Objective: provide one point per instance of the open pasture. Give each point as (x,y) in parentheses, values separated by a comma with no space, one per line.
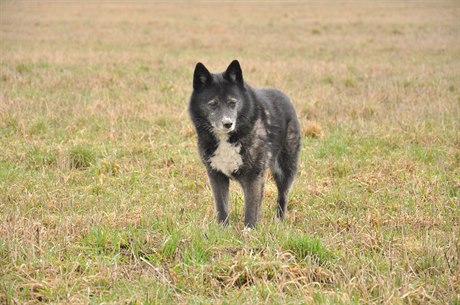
(103,198)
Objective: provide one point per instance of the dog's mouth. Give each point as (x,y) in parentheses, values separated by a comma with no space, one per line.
(222,130)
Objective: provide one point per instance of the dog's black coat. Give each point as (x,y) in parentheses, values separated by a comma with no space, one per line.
(264,132)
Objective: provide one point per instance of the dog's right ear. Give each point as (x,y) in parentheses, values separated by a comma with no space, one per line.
(201,76)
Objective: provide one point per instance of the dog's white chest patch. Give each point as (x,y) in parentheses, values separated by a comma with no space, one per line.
(226,158)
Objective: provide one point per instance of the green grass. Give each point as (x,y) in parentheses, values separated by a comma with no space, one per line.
(305,247)
(103,197)
(81,156)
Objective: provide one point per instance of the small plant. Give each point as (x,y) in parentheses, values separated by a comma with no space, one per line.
(197,251)
(315,31)
(38,158)
(170,245)
(81,156)
(305,246)
(97,239)
(40,126)
(23,68)
(328,79)
(312,130)
(349,82)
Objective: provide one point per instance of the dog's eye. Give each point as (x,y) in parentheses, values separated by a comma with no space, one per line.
(232,103)
(212,103)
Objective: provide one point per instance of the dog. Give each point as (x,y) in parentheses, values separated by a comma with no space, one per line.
(241,132)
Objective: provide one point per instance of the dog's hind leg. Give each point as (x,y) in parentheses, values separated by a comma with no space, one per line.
(284,175)
(219,185)
(284,169)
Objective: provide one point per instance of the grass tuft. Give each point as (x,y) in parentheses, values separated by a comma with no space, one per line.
(308,248)
(171,244)
(312,129)
(42,157)
(81,156)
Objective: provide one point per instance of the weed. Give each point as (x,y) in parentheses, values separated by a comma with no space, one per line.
(315,32)
(304,246)
(349,82)
(328,79)
(39,158)
(312,129)
(170,245)
(81,156)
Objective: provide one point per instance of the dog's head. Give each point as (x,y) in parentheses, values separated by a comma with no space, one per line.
(217,99)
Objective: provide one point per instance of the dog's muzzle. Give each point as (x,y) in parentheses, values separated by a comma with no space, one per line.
(228,124)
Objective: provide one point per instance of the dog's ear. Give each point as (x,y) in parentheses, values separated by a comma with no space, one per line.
(234,73)
(201,76)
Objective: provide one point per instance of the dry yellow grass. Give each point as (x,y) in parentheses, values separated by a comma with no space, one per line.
(311,129)
(102,194)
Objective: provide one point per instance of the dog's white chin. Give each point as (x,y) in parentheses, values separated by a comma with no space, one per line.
(223,131)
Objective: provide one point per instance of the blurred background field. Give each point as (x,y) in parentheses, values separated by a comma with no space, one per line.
(103,197)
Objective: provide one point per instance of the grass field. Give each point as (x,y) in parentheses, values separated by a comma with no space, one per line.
(103,198)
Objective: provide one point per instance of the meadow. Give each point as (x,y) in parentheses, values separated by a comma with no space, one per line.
(103,198)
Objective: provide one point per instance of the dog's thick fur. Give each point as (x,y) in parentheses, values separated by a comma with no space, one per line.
(241,132)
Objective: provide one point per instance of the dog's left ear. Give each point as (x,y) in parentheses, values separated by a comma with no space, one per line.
(234,73)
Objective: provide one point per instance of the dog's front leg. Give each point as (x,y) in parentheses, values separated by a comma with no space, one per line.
(219,185)
(253,191)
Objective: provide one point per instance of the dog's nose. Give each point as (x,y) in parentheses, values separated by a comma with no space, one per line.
(227,123)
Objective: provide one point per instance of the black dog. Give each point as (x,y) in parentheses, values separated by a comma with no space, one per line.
(242,131)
